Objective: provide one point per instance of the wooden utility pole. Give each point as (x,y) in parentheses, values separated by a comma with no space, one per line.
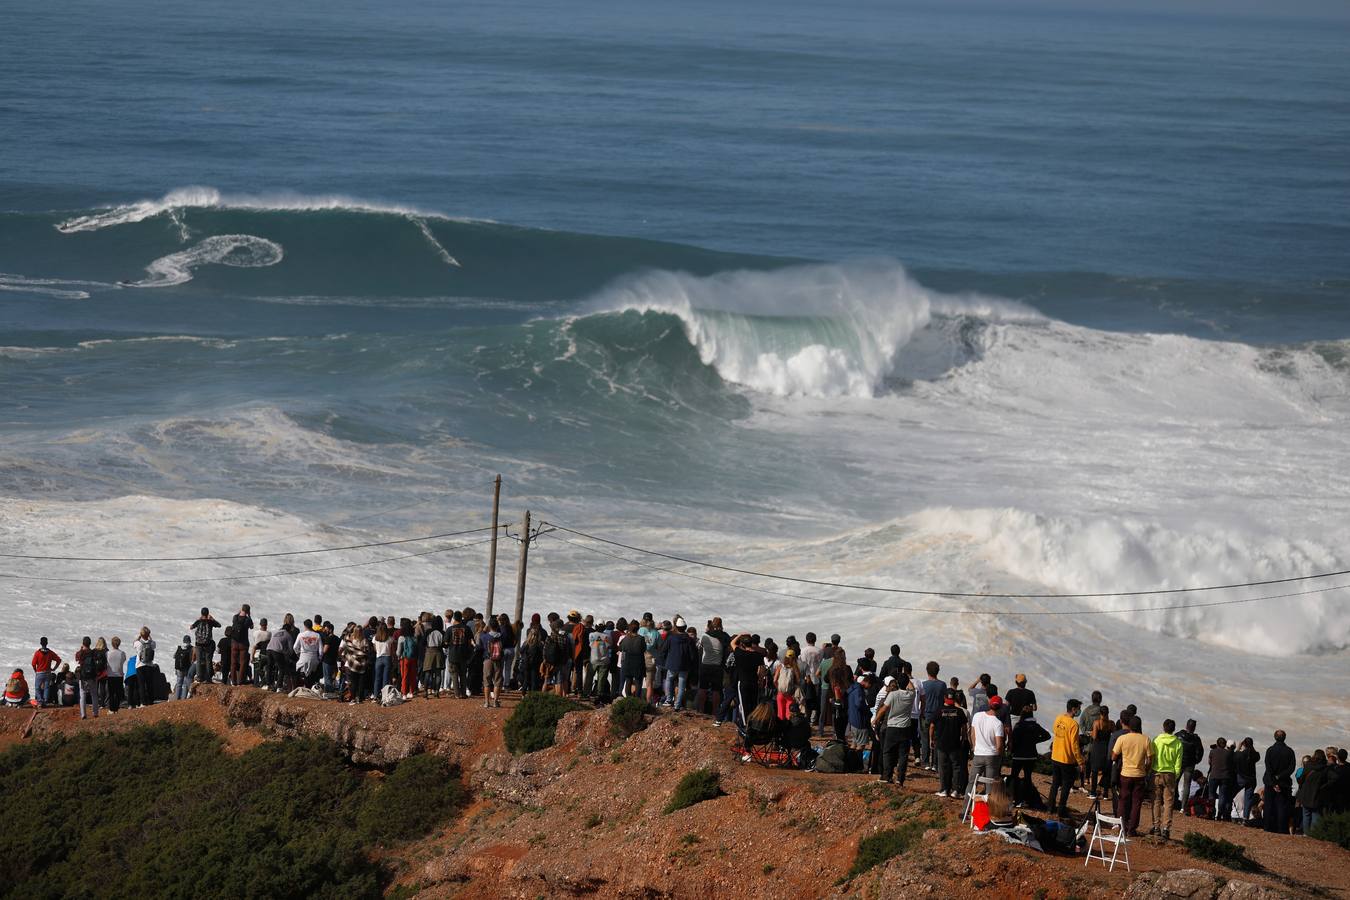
(492,559)
(520,572)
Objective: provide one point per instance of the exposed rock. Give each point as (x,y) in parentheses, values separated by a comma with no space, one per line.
(1195,884)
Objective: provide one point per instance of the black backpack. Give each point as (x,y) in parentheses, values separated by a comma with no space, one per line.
(202,631)
(147,655)
(553,649)
(832,760)
(89,665)
(182,658)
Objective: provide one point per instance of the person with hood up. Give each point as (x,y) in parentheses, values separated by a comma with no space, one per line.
(1167,750)
(16,690)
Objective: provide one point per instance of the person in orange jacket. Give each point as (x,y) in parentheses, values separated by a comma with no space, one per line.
(1065,756)
(16,689)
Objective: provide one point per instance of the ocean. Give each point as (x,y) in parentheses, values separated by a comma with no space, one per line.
(984,301)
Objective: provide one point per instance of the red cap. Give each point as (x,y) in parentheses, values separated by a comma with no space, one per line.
(995,701)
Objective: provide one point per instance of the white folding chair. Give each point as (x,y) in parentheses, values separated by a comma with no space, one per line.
(1114,834)
(973,795)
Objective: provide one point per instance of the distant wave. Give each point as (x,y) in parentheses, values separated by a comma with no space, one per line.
(813,331)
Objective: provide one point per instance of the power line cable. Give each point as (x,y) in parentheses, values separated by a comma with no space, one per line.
(356,565)
(934,593)
(411,540)
(948,612)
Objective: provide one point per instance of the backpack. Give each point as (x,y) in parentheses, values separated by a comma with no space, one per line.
(832,760)
(182,658)
(389,696)
(201,631)
(495,648)
(147,654)
(553,649)
(89,667)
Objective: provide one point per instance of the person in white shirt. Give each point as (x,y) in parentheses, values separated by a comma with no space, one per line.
(262,636)
(987,736)
(113,684)
(308,650)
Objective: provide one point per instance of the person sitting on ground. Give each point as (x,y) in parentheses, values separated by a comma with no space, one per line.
(67,686)
(16,689)
(1066,756)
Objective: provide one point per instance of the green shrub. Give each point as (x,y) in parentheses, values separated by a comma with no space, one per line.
(695,787)
(1333,827)
(1218,850)
(418,783)
(628,716)
(534,721)
(875,849)
(163,810)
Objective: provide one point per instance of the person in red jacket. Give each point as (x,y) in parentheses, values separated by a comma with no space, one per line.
(45,663)
(16,689)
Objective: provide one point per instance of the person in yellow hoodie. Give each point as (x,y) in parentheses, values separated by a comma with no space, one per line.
(1166,769)
(1066,757)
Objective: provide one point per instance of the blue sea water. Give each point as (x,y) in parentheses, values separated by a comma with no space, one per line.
(946,295)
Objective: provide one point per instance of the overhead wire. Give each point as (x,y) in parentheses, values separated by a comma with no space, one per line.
(246,577)
(275,553)
(942,593)
(940,611)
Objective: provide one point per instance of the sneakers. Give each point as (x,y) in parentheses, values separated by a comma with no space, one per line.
(717,723)
(941,794)
(1092,796)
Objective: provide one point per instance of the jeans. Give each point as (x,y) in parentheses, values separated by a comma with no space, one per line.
(1186,774)
(329,676)
(381,674)
(1061,784)
(88,694)
(824,692)
(951,770)
(1131,803)
(182,683)
(677,680)
(42,683)
(1248,795)
(1310,818)
(926,742)
(1164,792)
(986,767)
(113,686)
(895,753)
(203,662)
(1223,800)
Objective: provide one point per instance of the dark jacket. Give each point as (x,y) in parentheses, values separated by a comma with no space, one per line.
(1244,765)
(677,652)
(1280,765)
(951,730)
(1220,763)
(1026,734)
(1192,748)
(1311,787)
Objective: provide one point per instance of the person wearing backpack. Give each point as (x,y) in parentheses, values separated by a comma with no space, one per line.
(490,642)
(182,668)
(1192,754)
(91,663)
(202,636)
(147,673)
(407,659)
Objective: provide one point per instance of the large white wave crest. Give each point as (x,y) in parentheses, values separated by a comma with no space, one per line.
(814,331)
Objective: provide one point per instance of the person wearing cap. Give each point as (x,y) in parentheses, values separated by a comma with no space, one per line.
(858,735)
(987,736)
(896,714)
(1066,756)
(951,746)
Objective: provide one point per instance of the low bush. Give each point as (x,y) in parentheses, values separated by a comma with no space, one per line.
(628,716)
(164,811)
(418,783)
(1333,827)
(534,721)
(695,787)
(875,849)
(1218,850)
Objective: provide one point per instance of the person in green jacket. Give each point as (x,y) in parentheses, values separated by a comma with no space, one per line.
(1166,769)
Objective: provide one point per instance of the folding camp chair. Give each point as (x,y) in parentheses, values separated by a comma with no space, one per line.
(1114,834)
(974,795)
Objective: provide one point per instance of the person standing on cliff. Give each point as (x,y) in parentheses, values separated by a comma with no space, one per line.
(308,649)
(45,663)
(1278,782)
(1167,749)
(203,639)
(242,626)
(1134,752)
(1192,754)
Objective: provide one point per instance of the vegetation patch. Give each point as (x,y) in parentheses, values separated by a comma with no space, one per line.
(628,716)
(875,849)
(163,810)
(1218,850)
(695,787)
(1333,827)
(534,722)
